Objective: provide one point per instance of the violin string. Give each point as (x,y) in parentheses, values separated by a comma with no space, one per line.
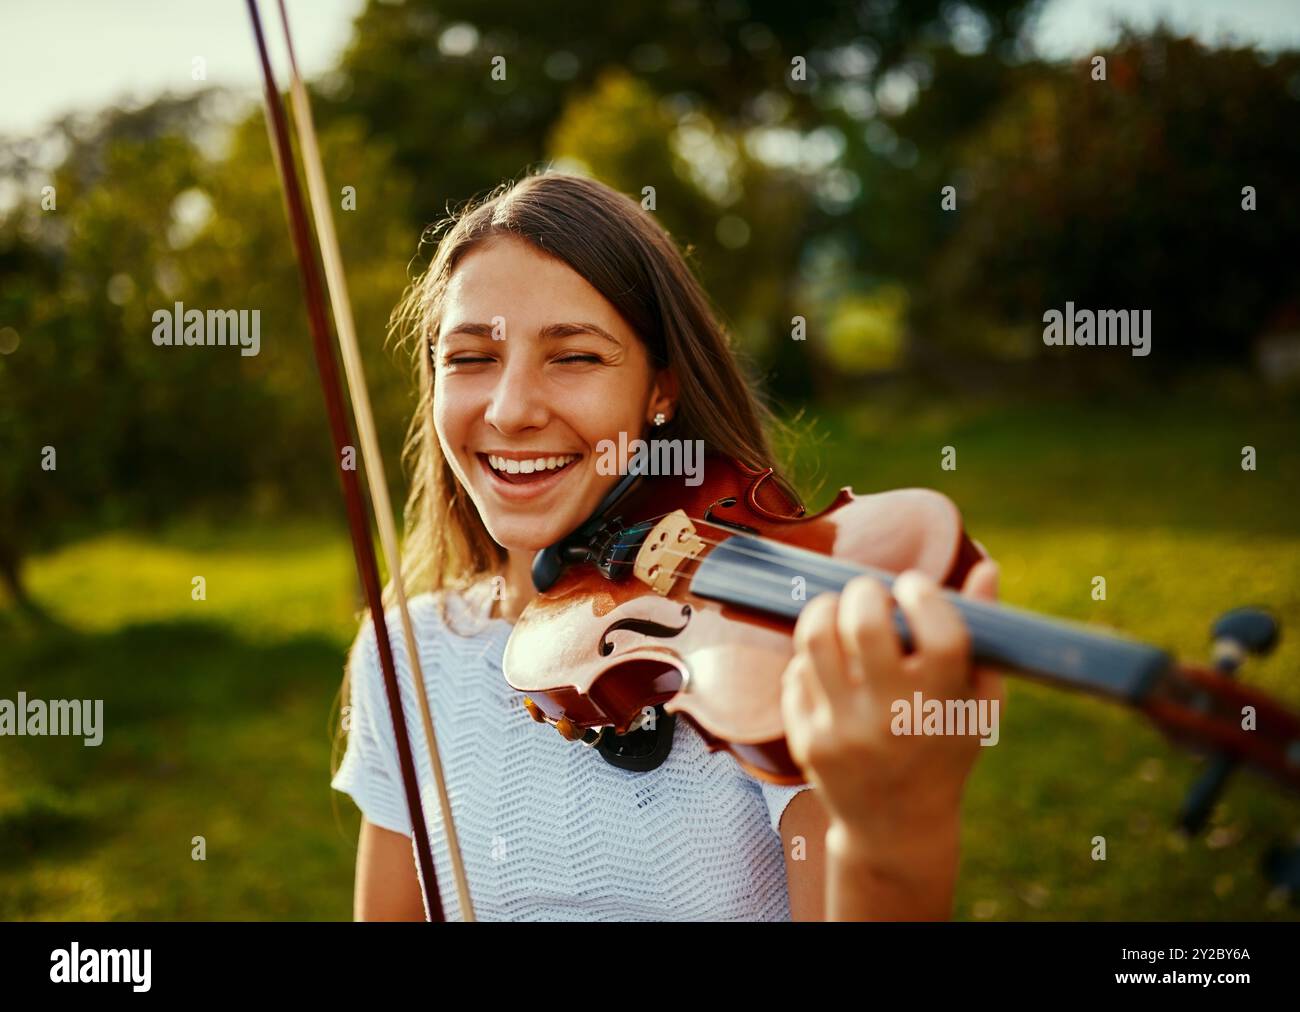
(994,624)
(829,570)
(827,574)
(997,620)
(985,609)
(816,567)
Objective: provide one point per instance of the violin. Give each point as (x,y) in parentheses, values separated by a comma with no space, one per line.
(682,599)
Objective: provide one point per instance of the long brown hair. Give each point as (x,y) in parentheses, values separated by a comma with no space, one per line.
(627,256)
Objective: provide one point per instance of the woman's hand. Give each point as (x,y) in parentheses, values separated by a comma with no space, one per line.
(844,686)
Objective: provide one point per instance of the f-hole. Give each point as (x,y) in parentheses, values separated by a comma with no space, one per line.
(646,627)
(727,503)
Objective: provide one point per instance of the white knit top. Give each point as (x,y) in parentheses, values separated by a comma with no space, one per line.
(549,831)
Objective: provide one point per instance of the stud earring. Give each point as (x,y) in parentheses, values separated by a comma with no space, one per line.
(660,418)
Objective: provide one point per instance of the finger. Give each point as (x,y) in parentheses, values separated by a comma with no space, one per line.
(939,636)
(797,703)
(867,636)
(817,637)
(989,684)
(982,580)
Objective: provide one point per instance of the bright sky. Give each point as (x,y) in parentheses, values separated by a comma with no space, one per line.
(61,55)
(64,55)
(1075,27)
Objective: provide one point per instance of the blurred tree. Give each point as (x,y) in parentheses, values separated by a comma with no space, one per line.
(78,273)
(144,219)
(1124,194)
(714,89)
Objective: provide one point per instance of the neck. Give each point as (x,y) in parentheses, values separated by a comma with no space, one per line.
(519,589)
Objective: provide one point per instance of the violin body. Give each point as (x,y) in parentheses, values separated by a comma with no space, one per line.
(598,652)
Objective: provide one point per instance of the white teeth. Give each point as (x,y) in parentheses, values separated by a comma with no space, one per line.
(511,466)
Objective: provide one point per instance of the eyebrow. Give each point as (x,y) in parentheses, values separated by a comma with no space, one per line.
(551,332)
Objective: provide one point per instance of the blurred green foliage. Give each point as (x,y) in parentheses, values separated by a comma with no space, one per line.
(1127,193)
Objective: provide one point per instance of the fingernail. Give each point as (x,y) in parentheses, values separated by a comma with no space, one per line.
(908,586)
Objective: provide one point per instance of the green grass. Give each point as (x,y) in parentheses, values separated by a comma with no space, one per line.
(219,710)
(218,714)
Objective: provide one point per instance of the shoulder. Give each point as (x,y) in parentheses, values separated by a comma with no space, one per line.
(777,797)
(433,615)
(436,618)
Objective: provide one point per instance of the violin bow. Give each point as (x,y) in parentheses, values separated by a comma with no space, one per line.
(358,523)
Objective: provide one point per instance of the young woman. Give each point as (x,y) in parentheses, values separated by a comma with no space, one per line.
(557,314)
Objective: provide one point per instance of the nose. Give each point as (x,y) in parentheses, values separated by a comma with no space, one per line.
(518,399)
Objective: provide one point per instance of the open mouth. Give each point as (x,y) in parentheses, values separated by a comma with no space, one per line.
(529,471)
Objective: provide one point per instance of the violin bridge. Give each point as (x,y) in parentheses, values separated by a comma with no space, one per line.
(669,544)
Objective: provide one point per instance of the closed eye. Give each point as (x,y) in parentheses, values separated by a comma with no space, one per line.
(477,359)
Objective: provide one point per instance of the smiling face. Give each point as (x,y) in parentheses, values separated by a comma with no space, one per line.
(533,368)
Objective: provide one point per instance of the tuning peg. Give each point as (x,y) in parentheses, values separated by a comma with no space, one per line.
(568,729)
(1251,630)
(1235,634)
(573,732)
(534,711)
